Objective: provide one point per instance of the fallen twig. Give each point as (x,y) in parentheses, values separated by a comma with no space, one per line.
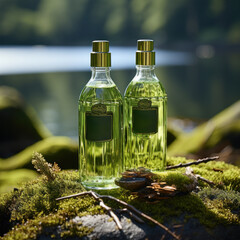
(133,209)
(131,214)
(126,205)
(203,160)
(205,180)
(101,203)
(190,173)
(217,170)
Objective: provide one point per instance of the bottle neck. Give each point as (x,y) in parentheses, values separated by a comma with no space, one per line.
(147,71)
(100,73)
(100,77)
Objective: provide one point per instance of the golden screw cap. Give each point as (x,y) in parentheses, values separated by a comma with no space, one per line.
(145,54)
(100,55)
(100,46)
(145,45)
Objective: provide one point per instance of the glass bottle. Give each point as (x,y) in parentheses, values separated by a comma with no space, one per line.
(100,124)
(145,109)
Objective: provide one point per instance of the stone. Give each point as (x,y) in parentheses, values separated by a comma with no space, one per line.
(212,137)
(19,125)
(62,150)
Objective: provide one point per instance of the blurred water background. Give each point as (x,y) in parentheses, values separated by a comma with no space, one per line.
(45,48)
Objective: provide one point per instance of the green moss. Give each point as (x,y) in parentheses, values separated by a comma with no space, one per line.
(230,199)
(229,179)
(176,160)
(73,229)
(225,215)
(61,150)
(14,178)
(38,197)
(35,202)
(188,206)
(209,213)
(45,226)
(175,178)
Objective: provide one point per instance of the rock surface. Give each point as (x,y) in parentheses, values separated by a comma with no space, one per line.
(11,179)
(19,124)
(56,149)
(217,135)
(104,228)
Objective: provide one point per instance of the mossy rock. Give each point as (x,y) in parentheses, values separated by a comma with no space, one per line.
(211,213)
(62,150)
(19,124)
(214,135)
(172,135)
(13,179)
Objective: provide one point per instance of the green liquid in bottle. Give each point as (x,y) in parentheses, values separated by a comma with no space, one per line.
(145,106)
(100,153)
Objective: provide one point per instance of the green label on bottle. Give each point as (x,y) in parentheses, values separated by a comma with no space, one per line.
(145,118)
(99,124)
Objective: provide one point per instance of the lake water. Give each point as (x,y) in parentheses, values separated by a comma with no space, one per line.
(198,84)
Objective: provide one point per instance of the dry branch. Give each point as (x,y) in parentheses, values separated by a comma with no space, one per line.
(131,214)
(126,205)
(203,160)
(189,172)
(136,211)
(101,203)
(205,180)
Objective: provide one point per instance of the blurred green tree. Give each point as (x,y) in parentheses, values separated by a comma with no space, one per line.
(68,22)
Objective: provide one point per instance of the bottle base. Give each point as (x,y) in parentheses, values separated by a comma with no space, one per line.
(99,184)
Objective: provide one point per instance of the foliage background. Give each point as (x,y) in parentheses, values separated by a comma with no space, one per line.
(207,29)
(74,22)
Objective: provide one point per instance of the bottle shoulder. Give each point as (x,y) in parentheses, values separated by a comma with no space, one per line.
(101,83)
(142,87)
(96,93)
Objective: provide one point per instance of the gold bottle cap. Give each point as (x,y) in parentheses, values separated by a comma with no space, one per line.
(145,54)
(100,55)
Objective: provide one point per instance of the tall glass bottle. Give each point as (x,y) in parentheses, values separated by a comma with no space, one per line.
(145,109)
(100,124)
